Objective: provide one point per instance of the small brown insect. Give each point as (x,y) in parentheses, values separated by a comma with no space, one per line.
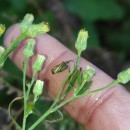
(61,67)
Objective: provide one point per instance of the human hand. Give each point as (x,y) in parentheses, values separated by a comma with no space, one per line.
(105,110)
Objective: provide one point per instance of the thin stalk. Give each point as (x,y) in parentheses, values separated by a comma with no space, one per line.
(64,81)
(114,82)
(24,93)
(51,110)
(11,47)
(30,85)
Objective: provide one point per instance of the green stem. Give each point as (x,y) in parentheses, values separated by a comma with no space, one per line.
(24,93)
(29,87)
(51,110)
(11,47)
(114,82)
(64,81)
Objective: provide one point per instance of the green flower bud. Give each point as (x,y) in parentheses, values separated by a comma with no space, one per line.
(124,76)
(26,22)
(88,74)
(2,49)
(2,29)
(37,65)
(81,43)
(37,29)
(38,87)
(28,50)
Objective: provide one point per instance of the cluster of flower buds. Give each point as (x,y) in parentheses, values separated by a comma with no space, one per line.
(32,30)
(2,29)
(124,76)
(81,42)
(37,65)
(28,50)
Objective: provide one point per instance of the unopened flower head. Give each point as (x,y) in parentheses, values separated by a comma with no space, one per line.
(29,48)
(2,29)
(37,65)
(26,22)
(124,76)
(37,29)
(81,43)
(38,88)
(88,74)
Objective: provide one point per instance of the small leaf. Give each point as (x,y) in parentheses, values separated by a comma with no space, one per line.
(56,120)
(85,87)
(71,81)
(9,109)
(30,106)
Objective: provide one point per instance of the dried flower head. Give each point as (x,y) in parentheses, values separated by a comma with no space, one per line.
(124,76)
(28,50)
(26,22)
(38,88)
(81,43)
(88,74)
(37,65)
(37,29)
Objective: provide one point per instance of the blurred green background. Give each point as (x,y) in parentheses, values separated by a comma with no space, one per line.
(108,24)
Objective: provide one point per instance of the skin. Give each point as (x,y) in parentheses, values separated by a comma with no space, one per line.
(105,110)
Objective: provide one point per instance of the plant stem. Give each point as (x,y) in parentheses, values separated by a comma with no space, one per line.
(64,81)
(24,93)
(51,110)
(11,47)
(114,82)
(30,85)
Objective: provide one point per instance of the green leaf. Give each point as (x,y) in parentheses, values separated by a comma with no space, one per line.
(30,106)
(71,81)
(58,119)
(85,88)
(9,109)
(119,39)
(91,10)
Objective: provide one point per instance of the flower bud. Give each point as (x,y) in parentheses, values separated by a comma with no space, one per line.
(37,65)
(38,87)
(88,74)
(29,48)
(26,22)
(2,29)
(81,43)
(124,76)
(37,29)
